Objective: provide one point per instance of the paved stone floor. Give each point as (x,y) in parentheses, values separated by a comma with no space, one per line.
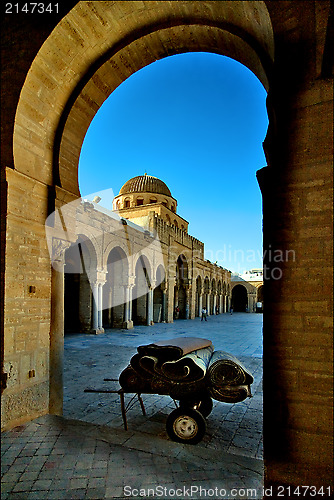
(88,454)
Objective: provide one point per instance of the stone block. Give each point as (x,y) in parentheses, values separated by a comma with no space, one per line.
(18,407)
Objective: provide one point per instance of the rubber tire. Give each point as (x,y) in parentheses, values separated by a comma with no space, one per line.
(186,425)
(204,406)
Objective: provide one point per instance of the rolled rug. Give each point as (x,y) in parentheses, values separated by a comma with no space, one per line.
(185,390)
(189,368)
(150,365)
(225,369)
(145,370)
(230,393)
(169,350)
(130,381)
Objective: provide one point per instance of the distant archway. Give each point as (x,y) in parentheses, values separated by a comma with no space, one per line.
(113,290)
(239,298)
(259,299)
(181,306)
(80,260)
(141,290)
(198,296)
(159,297)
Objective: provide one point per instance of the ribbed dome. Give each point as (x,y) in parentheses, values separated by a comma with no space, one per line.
(145,184)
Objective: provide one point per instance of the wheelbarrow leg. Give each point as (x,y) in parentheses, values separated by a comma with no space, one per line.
(123,409)
(141,404)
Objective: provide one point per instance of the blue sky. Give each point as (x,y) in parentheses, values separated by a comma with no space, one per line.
(197,121)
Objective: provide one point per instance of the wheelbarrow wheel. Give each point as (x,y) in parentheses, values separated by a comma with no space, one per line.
(204,406)
(186,425)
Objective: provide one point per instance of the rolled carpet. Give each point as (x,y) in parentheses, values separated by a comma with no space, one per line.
(230,393)
(225,369)
(130,381)
(189,368)
(145,369)
(169,350)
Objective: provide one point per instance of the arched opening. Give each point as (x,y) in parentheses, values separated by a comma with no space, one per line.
(225,305)
(239,298)
(181,305)
(80,263)
(228,297)
(206,294)
(213,299)
(198,303)
(114,289)
(259,299)
(219,298)
(140,303)
(71,292)
(159,297)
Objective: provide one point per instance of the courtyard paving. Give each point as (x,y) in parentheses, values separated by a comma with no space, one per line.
(86,453)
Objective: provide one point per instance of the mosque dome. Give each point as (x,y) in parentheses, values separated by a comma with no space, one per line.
(145,184)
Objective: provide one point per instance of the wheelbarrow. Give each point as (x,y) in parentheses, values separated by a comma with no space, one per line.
(193,378)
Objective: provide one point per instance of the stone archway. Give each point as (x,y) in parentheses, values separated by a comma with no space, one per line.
(198,298)
(160,296)
(181,292)
(114,289)
(80,262)
(259,299)
(141,313)
(239,301)
(79,85)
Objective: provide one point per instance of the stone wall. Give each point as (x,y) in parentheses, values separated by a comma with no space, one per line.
(27,304)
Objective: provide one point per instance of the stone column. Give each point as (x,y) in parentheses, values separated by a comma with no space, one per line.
(164,302)
(214,303)
(150,307)
(150,303)
(208,304)
(200,304)
(126,300)
(109,306)
(128,323)
(85,304)
(170,291)
(188,289)
(57,327)
(95,319)
(100,307)
(130,303)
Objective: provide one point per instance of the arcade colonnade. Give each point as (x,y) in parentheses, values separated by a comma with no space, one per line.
(126,275)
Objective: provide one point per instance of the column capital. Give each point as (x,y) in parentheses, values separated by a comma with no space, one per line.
(59,247)
(98,282)
(131,279)
(152,284)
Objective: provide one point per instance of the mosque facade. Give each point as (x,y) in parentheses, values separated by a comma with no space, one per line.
(139,264)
